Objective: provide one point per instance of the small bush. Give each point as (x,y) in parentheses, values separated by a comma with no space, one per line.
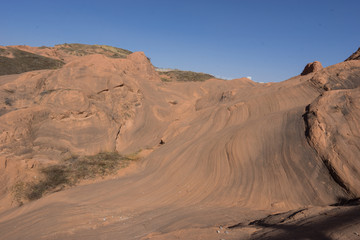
(184,76)
(18,192)
(8,102)
(70,172)
(98,165)
(56,177)
(165,79)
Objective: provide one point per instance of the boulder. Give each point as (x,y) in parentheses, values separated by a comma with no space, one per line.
(312,67)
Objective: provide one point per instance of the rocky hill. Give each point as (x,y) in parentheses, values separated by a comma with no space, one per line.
(103,146)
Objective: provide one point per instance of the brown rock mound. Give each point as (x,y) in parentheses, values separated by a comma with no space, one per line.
(333,121)
(345,75)
(312,67)
(22,58)
(234,151)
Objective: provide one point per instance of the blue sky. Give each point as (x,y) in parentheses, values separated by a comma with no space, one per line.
(270,40)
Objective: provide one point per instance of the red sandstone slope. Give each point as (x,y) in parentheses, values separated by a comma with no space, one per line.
(233,151)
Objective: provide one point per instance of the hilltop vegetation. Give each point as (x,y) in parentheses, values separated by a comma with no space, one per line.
(70,172)
(14,61)
(85,49)
(183,76)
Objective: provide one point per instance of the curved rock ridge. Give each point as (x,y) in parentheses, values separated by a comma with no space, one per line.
(345,75)
(354,56)
(219,152)
(68,51)
(333,121)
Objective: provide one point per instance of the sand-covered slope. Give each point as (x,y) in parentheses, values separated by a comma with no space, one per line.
(217,152)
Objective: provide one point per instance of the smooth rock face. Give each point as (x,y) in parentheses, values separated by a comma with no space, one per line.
(79,108)
(312,67)
(334,131)
(219,153)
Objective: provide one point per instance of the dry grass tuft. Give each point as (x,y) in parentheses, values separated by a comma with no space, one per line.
(184,76)
(70,172)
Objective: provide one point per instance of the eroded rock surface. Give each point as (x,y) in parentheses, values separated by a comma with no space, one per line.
(218,152)
(312,67)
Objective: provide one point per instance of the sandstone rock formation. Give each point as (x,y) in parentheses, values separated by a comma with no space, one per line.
(218,153)
(312,67)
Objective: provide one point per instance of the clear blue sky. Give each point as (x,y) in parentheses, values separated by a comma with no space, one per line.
(270,40)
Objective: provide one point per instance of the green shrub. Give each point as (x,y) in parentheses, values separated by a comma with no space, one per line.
(69,172)
(78,49)
(56,177)
(165,79)
(184,76)
(25,61)
(18,192)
